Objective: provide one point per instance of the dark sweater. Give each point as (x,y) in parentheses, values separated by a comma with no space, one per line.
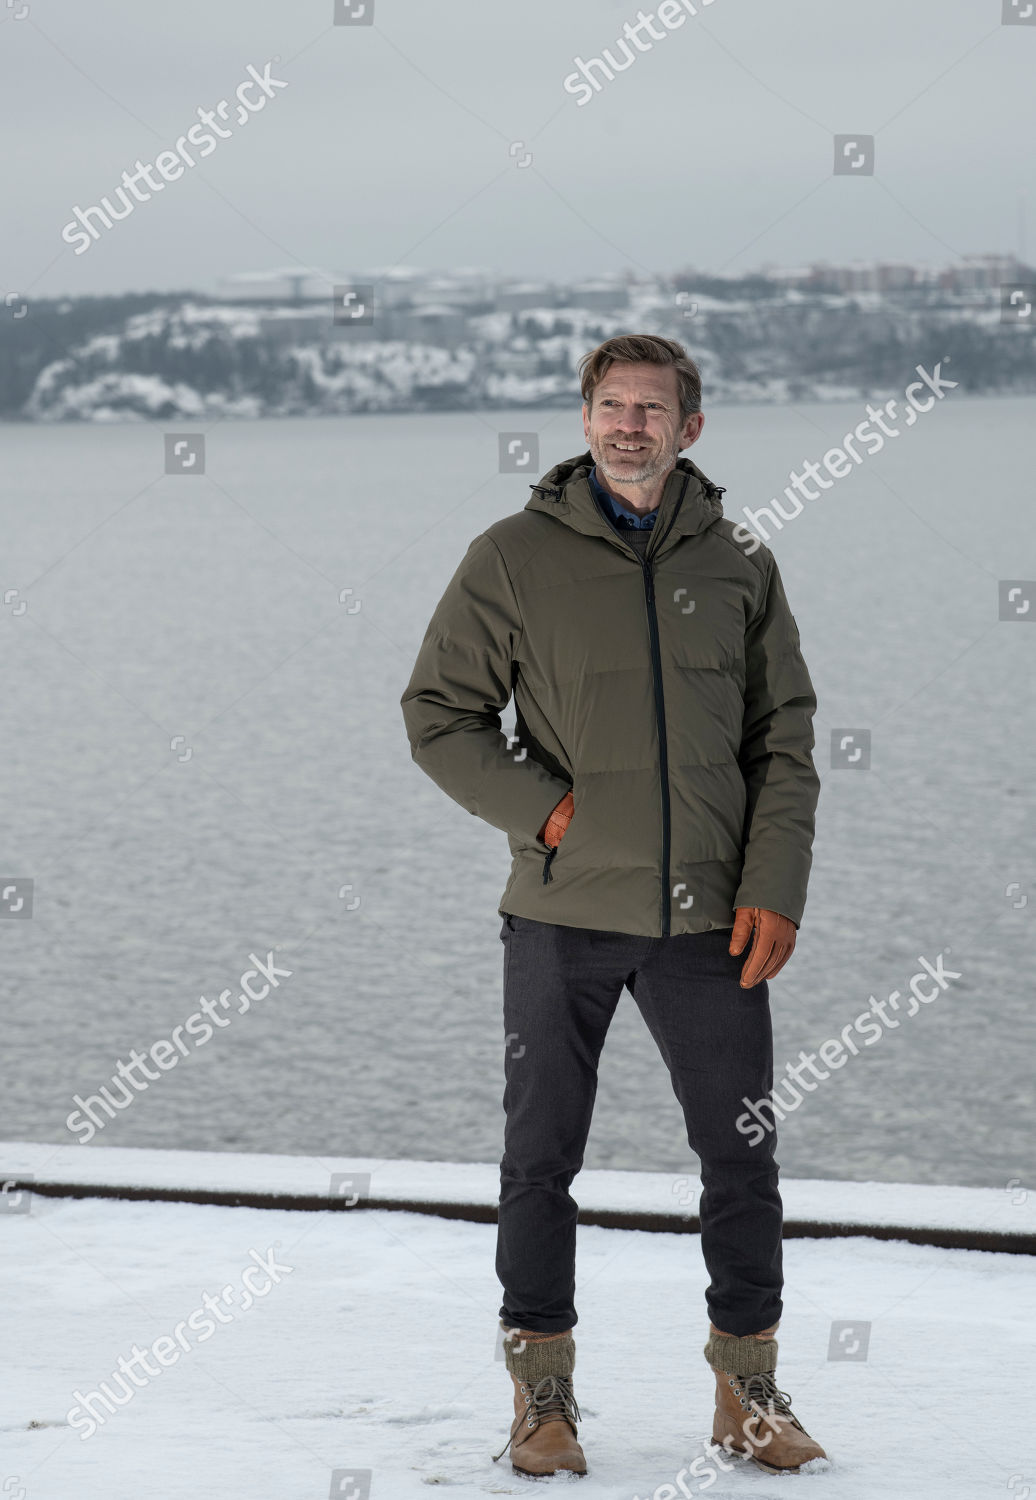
(635,529)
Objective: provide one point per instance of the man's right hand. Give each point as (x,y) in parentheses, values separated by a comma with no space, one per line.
(553,829)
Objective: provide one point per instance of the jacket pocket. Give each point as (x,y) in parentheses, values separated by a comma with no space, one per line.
(548,851)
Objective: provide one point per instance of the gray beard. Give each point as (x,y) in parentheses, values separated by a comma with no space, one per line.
(652,469)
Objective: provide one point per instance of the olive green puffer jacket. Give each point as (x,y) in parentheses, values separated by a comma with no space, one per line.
(669,695)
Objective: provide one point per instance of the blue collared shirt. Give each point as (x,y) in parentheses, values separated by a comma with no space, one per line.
(618,512)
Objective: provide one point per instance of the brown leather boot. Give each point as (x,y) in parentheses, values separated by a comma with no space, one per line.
(543,1433)
(753,1417)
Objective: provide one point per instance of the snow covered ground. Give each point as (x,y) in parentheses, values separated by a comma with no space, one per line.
(303,1355)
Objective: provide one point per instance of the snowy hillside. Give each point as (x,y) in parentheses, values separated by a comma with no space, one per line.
(199,359)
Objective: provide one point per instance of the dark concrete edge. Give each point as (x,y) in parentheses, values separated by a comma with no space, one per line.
(483,1213)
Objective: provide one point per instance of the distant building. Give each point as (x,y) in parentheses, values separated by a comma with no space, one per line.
(971,273)
(793,276)
(523,362)
(519,296)
(307,325)
(425,323)
(982,272)
(394,286)
(293,285)
(894,277)
(597,296)
(461,286)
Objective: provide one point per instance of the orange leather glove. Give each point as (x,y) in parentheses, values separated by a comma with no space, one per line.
(773,946)
(553,829)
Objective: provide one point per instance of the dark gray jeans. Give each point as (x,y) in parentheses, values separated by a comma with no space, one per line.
(561,987)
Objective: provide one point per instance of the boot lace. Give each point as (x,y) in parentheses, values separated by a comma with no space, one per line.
(761,1394)
(551,1399)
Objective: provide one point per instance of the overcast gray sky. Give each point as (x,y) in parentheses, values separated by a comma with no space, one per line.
(393,143)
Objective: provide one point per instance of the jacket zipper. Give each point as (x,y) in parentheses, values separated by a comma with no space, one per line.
(663,749)
(663,745)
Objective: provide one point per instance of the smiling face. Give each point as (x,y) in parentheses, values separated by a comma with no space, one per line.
(633,428)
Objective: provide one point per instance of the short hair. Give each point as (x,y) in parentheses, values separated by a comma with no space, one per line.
(643,348)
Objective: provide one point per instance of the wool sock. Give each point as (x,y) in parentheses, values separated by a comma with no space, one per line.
(530,1355)
(750,1355)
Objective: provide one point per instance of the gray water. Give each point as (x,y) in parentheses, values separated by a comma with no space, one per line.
(208,607)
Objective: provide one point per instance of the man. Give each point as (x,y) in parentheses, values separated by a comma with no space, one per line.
(659,804)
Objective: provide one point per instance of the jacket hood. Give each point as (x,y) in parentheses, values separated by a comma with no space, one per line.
(690,501)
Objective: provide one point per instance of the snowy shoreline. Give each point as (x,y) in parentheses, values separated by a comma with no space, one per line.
(948,1216)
